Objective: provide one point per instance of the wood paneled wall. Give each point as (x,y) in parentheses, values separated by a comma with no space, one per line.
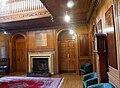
(3,46)
(99,14)
(81,30)
(112,55)
(84,45)
(46,40)
(43,44)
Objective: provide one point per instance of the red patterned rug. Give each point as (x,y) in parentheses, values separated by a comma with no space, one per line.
(30,82)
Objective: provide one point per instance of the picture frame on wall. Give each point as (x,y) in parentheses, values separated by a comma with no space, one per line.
(111,39)
(99,26)
(109,18)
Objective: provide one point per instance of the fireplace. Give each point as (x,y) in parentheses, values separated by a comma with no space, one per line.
(40,63)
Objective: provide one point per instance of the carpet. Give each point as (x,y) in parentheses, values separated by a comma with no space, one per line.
(30,82)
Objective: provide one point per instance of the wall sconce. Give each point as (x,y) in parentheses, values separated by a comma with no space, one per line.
(4,32)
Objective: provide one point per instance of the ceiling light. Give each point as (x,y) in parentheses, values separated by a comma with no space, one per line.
(70,4)
(71,32)
(67,17)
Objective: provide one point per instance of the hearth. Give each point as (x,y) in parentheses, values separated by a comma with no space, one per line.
(40,67)
(40,64)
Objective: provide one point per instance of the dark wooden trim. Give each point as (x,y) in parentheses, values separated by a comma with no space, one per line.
(48,8)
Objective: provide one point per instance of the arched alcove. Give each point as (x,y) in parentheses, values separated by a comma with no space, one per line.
(67,53)
(19,60)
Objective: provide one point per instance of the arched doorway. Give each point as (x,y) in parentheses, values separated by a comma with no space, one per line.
(19,53)
(66,51)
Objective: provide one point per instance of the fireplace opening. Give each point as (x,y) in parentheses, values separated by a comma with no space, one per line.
(40,65)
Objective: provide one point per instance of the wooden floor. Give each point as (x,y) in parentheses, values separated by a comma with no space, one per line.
(71,80)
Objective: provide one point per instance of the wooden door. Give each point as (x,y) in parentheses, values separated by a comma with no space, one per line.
(67,56)
(20,54)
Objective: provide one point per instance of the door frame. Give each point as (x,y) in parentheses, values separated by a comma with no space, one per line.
(11,40)
(76,49)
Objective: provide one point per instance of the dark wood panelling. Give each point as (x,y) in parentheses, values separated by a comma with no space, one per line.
(20,55)
(67,55)
(3,46)
(84,45)
(62,56)
(52,45)
(28,24)
(112,55)
(81,10)
(50,40)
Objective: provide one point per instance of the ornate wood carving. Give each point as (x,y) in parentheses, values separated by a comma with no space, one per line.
(22,10)
(25,16)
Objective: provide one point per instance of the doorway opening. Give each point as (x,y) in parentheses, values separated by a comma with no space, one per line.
(66,51)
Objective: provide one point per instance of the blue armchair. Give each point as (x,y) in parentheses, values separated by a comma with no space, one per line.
(90,79)
(101,85)
(86,68)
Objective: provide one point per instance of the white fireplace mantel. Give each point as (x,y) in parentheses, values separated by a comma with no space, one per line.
(39,55)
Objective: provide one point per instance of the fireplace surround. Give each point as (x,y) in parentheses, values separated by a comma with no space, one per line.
(40,61)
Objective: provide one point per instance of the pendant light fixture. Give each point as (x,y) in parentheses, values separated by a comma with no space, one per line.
(67,17)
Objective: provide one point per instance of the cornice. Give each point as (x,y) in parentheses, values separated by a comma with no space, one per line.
(25,15)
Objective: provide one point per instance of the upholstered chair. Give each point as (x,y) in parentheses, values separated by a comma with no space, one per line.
(90,79)
(86,68)
(101,85)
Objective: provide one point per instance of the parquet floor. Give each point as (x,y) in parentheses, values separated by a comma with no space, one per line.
(71,80)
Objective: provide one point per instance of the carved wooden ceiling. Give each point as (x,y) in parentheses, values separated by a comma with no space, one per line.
(80,13)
